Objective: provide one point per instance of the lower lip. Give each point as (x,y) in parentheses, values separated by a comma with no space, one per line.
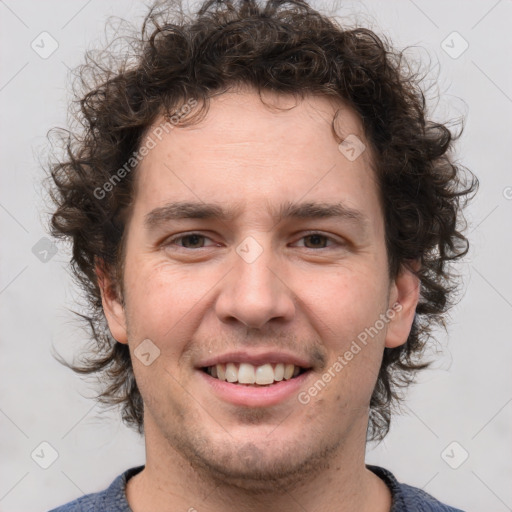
(255,396)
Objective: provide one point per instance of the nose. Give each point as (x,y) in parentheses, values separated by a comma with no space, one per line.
(255,293)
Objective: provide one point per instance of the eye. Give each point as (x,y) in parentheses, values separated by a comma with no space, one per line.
(193,241)
(189,241)
(317,241)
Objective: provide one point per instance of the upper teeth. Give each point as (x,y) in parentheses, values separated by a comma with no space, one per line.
(245,373)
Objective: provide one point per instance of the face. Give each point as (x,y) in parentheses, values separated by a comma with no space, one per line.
(256,251)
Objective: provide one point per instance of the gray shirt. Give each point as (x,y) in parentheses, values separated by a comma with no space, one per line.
(113,499)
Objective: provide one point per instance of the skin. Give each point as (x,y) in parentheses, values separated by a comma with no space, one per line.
(194,298)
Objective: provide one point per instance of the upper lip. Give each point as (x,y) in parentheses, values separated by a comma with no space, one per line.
(255,358)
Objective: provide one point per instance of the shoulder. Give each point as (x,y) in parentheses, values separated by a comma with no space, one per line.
(406,497)
(112,499)
(423,501)
(87,503)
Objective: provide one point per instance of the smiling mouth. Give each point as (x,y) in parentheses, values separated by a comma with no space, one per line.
(250,375)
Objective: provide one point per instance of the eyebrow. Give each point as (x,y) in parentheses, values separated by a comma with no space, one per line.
(200,210)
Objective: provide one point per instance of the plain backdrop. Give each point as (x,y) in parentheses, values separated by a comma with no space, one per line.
(453,438)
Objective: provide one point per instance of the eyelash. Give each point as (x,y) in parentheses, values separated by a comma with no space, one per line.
(172,240)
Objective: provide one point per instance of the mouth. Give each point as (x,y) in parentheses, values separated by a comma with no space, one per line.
(263,382)
(246,374)
(260,378)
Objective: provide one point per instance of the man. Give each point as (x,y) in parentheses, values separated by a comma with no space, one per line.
(263,219)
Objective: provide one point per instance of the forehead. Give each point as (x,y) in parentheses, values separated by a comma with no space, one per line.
(259,157)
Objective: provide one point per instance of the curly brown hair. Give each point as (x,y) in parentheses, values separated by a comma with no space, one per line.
(287,47)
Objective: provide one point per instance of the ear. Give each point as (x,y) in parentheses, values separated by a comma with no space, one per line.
(403,299)
(112,305)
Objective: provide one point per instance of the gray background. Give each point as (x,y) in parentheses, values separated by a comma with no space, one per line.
(466,398)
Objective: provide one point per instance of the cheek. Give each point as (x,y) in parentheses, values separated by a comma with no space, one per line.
(345,309)
(344,304)
(162,302)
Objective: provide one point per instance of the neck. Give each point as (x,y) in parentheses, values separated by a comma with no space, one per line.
(169,482)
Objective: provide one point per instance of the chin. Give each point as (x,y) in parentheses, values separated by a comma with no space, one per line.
(258,468)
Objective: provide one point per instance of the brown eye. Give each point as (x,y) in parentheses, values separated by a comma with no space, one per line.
(193,241)
(315,241)
(188,241)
